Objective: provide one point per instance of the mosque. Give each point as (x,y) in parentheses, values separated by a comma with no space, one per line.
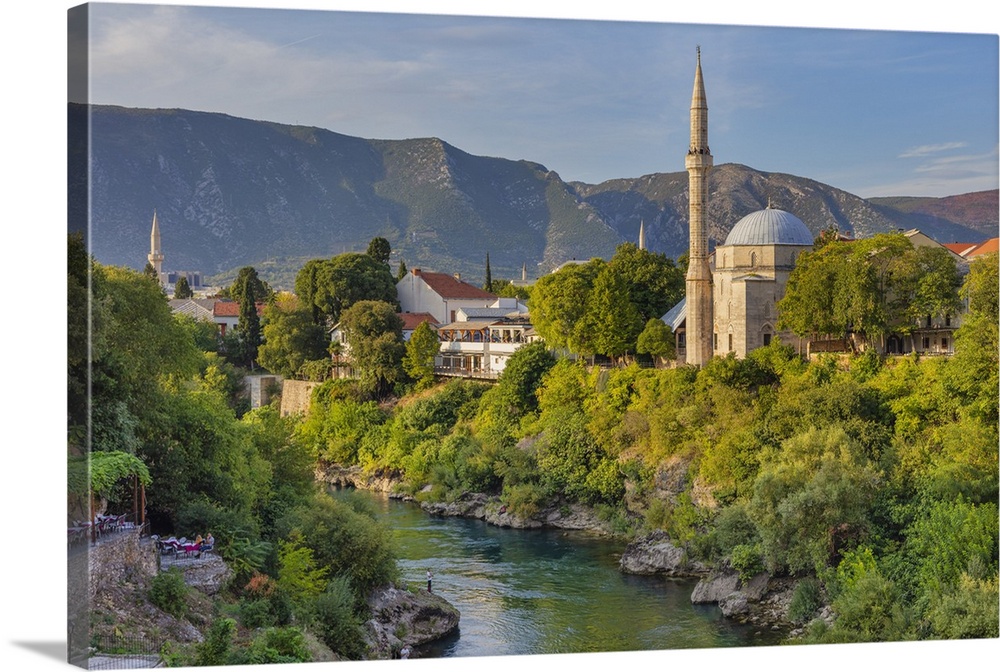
(732,294)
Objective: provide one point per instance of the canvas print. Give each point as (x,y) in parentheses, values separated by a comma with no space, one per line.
(402,336)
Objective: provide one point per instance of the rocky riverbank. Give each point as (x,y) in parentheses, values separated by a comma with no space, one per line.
(556,514)
(404,618)
(763,600)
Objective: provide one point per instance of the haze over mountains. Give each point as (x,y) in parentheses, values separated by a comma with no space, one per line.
(230,192)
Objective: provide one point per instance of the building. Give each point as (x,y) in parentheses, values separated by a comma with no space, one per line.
(480,341)
(155,256)
(749,278)
(730,303)
(440,294)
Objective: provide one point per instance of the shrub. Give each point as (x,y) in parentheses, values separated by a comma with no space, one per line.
(168,591)
(523,500)
(806,599)
(215,649)
(747,560)
(256,613)
(336,623)
(274,645)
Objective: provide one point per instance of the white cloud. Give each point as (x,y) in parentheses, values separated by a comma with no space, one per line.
(925,150)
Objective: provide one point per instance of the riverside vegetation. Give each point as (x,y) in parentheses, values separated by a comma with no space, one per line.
(873,480)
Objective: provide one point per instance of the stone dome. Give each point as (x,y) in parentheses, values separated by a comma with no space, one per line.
(770,227)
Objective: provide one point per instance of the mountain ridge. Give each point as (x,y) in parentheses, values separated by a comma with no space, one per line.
(230,191)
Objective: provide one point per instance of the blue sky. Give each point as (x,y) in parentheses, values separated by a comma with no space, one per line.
(875,112)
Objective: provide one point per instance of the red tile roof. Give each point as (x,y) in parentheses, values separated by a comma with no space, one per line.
(448,287)
(986,247)
(959,248)
(413,320)
(228,308)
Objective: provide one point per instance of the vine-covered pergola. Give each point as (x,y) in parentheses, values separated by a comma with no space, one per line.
(96,474)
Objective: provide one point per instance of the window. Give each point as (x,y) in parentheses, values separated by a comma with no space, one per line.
(927,343)
(928,320)
(944,343)
(681,345)
(767,339)
(715,341)
(730,342)
(947,320)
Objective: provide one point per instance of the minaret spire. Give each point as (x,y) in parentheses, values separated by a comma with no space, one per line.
(155,256)
(699,318)
(642,235)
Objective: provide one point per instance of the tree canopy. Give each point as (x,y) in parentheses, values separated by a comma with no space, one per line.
(329,287)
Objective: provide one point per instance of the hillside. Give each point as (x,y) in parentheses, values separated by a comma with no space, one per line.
(230,192)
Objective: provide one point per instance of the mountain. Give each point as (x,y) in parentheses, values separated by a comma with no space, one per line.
(230,192)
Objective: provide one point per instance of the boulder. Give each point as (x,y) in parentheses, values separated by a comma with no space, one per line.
(715,587)
(208,573)
(655,553)
(401,617)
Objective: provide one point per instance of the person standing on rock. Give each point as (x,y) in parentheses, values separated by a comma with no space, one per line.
(405,653)
(430,577)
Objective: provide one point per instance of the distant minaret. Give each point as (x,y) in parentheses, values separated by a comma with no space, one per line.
(699,276)
(524,272)
(155,251)
(642,235)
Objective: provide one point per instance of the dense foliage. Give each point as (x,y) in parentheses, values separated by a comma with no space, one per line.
(873,479)
(174,416)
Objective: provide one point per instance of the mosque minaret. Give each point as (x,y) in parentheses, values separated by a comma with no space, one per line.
(155,256)
(699,275)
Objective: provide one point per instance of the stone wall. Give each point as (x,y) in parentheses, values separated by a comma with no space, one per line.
(121,558)
(295,396)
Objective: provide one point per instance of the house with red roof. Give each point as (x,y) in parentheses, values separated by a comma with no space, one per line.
(226,314)
(440,294)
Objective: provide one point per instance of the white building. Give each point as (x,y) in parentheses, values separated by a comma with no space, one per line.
(440,294)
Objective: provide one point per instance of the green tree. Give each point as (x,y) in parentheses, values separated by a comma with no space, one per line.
(811,493)
(974,371)
(250,295)
(182,290)
(657,339)
(652,281)
(298,575)
(558,301)
(807,308)
(150,271)
(611,322)
(306,287)
(401,271)
(261,290)
(349,543)
(379,250)
(375,334)
(291,338)
(488,283)
(330,287)
(421,350)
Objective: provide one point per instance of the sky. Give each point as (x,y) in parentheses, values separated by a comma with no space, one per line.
(33,175)
(874,112)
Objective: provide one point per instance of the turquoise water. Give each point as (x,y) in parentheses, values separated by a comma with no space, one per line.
(546,591)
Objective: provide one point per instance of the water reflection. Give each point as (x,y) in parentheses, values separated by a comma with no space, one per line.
(546,591)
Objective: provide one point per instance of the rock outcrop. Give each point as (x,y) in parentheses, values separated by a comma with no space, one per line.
(400,618)
(655,553)
(561,515)
(763,600)
(354,477)
(207,573)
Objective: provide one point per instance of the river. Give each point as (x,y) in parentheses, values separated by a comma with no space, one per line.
(546,591)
